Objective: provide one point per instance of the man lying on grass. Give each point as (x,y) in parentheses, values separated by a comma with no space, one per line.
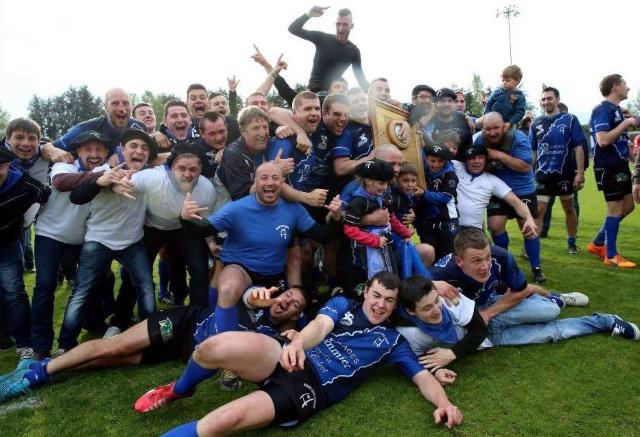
(166,335)
(440,332)
(327,360)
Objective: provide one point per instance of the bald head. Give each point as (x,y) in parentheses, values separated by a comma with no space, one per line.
(117,105)
(268,183)
(390,154)
(492,128)
(268,167)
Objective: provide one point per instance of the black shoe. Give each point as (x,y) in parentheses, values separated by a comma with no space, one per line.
(538,276)
(573,250)
(7,343)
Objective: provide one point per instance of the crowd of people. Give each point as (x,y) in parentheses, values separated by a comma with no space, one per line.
(297,234)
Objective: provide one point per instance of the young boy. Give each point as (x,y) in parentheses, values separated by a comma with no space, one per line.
(451,140)
(370,245)
(405,196)
(437,216)
(507,99)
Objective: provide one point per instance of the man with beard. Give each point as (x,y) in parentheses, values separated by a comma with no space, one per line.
(447,118)
(334,53)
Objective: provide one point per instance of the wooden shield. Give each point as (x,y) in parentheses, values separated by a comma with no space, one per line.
(385,123)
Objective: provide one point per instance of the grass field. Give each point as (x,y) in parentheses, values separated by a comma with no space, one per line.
(588,386)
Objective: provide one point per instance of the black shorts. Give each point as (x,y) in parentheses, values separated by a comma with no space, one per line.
(498,206)
(554,185)
(614,181)
(261,280)
(296,396)
(171,334)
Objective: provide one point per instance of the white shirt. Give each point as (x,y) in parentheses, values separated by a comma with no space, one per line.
(474,193)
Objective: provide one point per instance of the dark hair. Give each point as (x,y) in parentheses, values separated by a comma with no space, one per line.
(304,293)
(608,82)
(344,12)
(449,135)
(550,89)
(211,116)
(408,167)
(174,102)
(562,107)
(419,88)
(513,72)
(413,289)
(387,279)
(334,98)
(23,124)
(304,95)
(469,238)
(196,86)
(216,94)
(140,105)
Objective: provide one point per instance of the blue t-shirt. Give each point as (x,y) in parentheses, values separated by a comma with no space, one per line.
(358,142)
(521,183)
(554,139)
(344,359)
(606,117)
(98,124)
(259,235)
(504,271)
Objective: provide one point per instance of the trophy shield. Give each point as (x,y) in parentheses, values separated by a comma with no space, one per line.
(386,121)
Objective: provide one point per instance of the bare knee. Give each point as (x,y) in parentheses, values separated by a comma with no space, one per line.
(208,352)
(220,422)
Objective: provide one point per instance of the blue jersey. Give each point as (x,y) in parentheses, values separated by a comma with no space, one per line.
(99,124)
(606,117)
(249,319)
(510,104)
(554,139)
(289,150)
(259,235)
(521,183)
(504,271)
(344,359)
(357,144)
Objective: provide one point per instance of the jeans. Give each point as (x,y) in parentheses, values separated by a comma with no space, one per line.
(534,309)
(27,248)
(95,261)
(552,331)
(13,293)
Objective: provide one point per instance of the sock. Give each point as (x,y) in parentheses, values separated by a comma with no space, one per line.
(557,299)
(193,375)
(37,373)
(186,430)
(611,225)
(163,273)
(213,296)
(226,319)
(501,240)
(598,240)
(532,247)
(571,241)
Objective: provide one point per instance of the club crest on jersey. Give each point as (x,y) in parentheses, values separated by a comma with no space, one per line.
(255,315)
(283,230)
(323,142)
(166,330)
(436,184)
(308,397)
(539,130)
(347,319)
(564,185)
(621,177)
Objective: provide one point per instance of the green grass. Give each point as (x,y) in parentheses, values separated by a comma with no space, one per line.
(584,386)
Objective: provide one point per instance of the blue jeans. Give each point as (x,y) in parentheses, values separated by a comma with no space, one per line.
(553,331)
(95,261)
(534,309)
(13,293)
(48,255)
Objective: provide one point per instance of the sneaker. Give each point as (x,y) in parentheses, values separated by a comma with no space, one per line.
(167,298)
(575,299)
(538,276)
(230,381)
(157,397)
(619,261)
(600,251)
(112,332)
(59,352)
(6,344)
(625,329)
(573,249)
(14,384)
(25,353)
(21,368)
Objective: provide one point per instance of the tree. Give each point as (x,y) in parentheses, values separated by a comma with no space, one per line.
(157,102)
(57,114)
(274,98)
(474,97)
(4,121)
(634,105)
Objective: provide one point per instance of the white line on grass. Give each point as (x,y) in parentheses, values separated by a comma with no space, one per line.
(30,403)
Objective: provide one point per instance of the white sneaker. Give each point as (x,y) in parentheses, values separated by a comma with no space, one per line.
(58,353)
(25,353)
(112,332)
(575,299)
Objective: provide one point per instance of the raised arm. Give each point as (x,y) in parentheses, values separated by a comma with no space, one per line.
(292,357)
(296,28)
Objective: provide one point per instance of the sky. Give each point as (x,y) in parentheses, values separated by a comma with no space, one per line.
(163,46)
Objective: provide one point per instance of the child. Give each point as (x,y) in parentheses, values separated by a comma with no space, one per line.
(436,214)
(507,99)
(404,201)
(451,140)
(370,245)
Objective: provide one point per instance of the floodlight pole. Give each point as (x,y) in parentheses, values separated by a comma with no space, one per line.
(509,11)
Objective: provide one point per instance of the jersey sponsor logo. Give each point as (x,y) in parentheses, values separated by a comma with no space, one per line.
(363,140)
(347,319)
(166,330)
(283,230)
(444,260)
(621,177)
(308,397)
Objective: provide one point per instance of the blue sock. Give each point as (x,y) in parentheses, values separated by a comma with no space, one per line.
(571,241)
(611,225)
(193,375)
(598,240)
(37,373)
(213,296)
(558,301)
(532,247)
(226,319)
(163,273)
(501,240)
(187,430)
